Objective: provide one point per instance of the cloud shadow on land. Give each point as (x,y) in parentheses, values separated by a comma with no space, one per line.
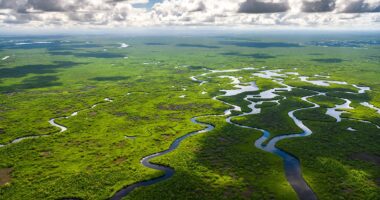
(33,83)
(328,60)
(198,46)
(88,54)
(254,55)
(155,44)
(73,46)
(220,154)
(21,71)
(261,44)
(197,67)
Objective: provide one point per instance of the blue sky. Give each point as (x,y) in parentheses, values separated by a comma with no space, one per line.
(148,5)
(152,2)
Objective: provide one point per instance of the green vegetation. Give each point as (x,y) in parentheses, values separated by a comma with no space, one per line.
(153,102)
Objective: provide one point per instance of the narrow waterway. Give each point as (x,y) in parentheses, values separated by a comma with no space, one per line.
(53,123)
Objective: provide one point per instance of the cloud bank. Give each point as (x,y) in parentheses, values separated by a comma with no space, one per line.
(126,13)
(256,6)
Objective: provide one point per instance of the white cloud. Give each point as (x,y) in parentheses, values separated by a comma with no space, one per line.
(304,13)
(318,6)
(358,6)
(122,13)
(263,6)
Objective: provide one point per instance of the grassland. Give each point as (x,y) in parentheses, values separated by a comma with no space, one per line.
(101,150)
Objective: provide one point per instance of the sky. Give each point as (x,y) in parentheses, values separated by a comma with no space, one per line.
(129,14)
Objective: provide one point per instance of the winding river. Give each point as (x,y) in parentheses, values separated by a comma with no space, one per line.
(168,171)
(292,164)
(53,123)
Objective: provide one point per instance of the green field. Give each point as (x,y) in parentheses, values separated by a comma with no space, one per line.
(153,98)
